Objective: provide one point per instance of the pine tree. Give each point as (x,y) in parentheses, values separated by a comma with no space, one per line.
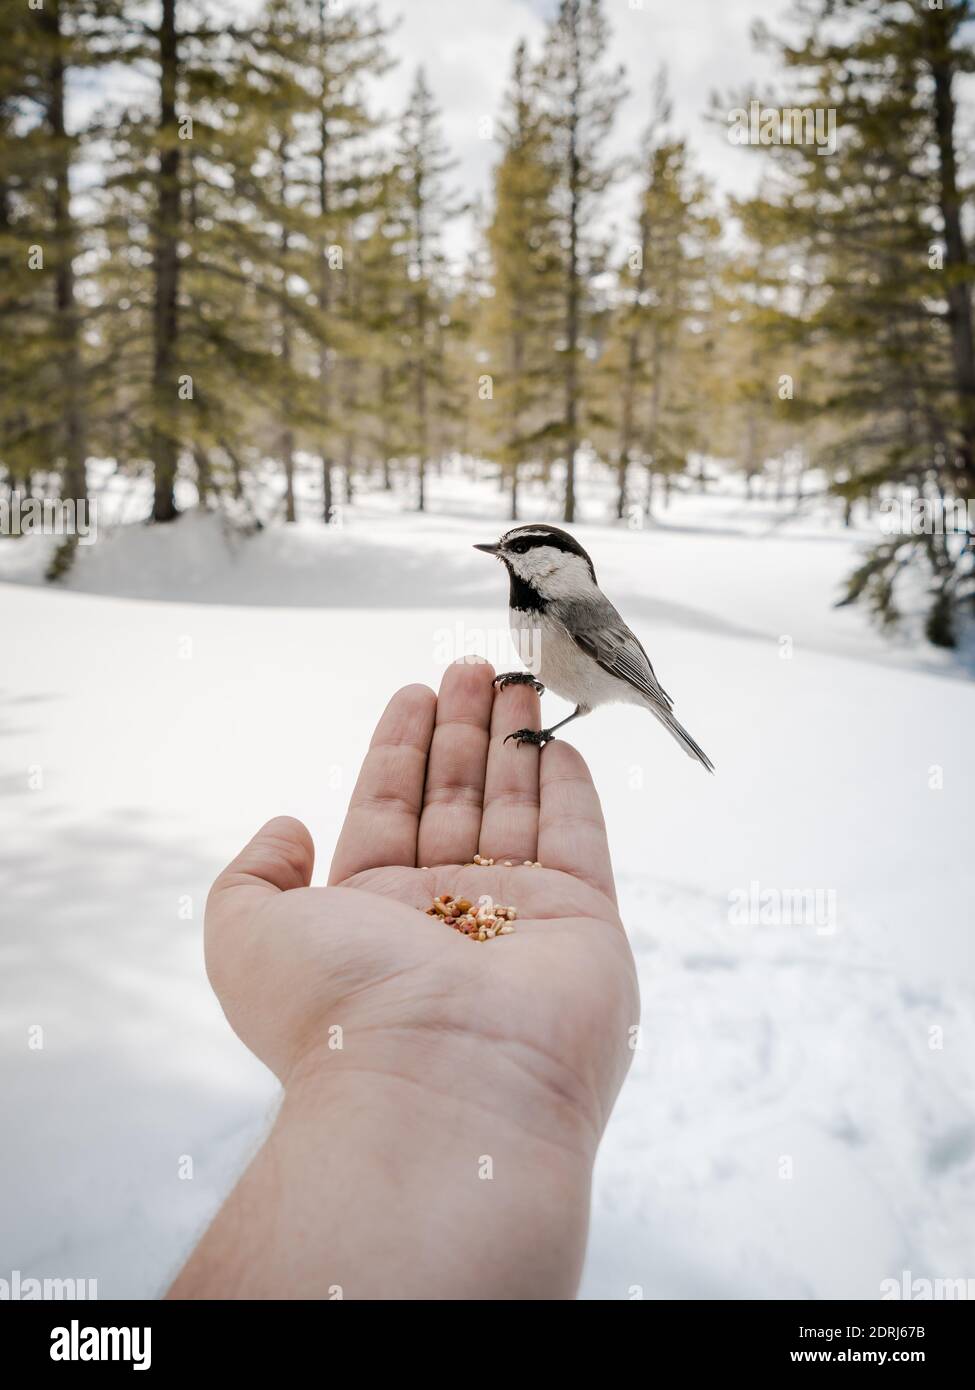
(43,381)
(384,307)
(150,213)
(880,228)
(423,203)
(345,46)
(663,323)
(520,319)
(581,97)
(248,313)
(765,378)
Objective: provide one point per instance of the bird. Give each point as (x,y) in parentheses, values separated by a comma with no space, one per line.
(570,636)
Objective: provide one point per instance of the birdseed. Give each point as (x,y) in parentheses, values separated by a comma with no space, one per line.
(481,923)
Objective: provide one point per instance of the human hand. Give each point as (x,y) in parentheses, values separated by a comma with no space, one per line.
(549,1008)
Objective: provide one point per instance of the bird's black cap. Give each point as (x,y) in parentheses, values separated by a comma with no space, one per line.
(541,533)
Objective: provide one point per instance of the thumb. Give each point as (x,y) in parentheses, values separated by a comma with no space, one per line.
(280,857)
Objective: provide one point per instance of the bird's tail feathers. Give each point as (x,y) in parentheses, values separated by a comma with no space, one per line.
(677,730)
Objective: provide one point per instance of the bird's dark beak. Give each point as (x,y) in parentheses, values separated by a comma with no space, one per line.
(488,549)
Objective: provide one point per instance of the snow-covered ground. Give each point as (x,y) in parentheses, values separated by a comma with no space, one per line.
(798,1121)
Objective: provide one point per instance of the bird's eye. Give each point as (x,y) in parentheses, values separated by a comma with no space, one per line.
(519,547)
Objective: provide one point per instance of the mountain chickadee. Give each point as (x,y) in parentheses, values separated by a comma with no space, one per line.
(586,653)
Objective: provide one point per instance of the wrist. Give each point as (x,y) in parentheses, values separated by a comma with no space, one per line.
(474,1192)
(460,1078)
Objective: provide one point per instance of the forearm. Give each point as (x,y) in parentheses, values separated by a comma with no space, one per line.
(373,1185)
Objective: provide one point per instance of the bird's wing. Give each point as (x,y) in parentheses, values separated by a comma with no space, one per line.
(601,633)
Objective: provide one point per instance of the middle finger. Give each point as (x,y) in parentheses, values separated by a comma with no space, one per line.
(451,818)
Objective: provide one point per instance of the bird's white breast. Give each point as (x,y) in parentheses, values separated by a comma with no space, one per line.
(550,654)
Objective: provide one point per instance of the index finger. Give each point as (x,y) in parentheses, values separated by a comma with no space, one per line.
(451,818)
(571,829)
(384,813)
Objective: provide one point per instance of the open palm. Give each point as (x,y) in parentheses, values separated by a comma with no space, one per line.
(360,971)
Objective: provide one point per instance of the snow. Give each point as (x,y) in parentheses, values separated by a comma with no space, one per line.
(187,683)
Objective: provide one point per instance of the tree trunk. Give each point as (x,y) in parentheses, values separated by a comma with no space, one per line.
(204,478)
(324,285)
(236,471)
(421,414)
(350,402)
(512,453)
(653,428)
(347,469)
(74,482)
(572,300)
(622,465)
(287,434)
(384,451)
(328,504)
(630,379)
(287,444)
(166,274)
(626,429)
(751,461)
(288,460)
(957,286)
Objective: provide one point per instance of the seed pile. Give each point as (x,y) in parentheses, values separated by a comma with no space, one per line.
(481,923)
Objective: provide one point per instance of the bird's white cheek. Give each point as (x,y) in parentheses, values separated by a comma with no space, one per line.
(567,579)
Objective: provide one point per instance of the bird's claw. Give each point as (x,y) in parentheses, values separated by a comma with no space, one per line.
(519,678)
(537,736)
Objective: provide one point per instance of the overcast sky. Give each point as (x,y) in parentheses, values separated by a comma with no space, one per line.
(466,48)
